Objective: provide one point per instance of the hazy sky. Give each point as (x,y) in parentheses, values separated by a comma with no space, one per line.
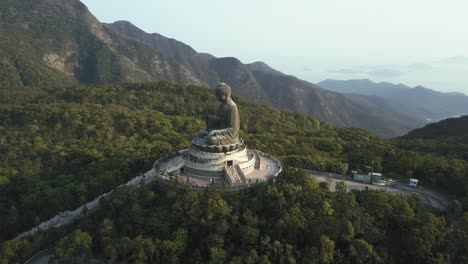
(415,42)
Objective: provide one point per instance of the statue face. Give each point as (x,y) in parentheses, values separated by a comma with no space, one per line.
(221,96)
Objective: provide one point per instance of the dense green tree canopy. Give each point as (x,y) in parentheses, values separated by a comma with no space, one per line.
(61,147)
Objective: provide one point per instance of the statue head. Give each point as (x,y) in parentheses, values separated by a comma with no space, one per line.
(223,92)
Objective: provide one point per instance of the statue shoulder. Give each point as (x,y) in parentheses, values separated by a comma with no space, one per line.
(232,104)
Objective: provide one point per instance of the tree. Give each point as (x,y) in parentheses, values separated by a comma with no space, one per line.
(340,187)
(74,248)
(217,255)
(327,248)
(361,251)
(106,236)
(14,251)
(455,209)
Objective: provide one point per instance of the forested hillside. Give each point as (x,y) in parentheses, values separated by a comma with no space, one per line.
(62,146)
(451,129)
(86,106)
(292,221)
(448,137)
(78,142)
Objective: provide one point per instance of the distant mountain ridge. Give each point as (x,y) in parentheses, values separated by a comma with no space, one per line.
(420,103)
(263,67)
(44,42)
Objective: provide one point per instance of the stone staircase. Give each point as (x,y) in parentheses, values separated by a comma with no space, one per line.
(234,175)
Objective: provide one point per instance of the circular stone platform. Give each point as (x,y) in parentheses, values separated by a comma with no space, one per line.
(236,166)
(201,145)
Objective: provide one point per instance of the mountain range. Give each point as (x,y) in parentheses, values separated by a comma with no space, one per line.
(420,103)
(59,42)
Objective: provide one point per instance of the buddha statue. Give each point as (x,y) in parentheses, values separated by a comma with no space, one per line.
(222,128)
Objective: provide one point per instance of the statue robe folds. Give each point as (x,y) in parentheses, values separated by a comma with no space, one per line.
(226,125)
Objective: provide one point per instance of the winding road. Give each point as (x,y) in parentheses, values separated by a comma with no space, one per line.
(432,198)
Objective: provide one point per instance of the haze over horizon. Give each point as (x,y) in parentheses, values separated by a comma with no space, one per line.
(414,43)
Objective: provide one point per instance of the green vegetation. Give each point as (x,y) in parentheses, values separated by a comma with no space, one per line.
(62,144)
(52,43)
(78,142)
(61,147)
(448,137)
(290,221)
(25,37)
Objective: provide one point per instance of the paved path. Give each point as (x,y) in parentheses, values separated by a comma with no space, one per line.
(429,197)
(432,198)
(42,257)
(67,217)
